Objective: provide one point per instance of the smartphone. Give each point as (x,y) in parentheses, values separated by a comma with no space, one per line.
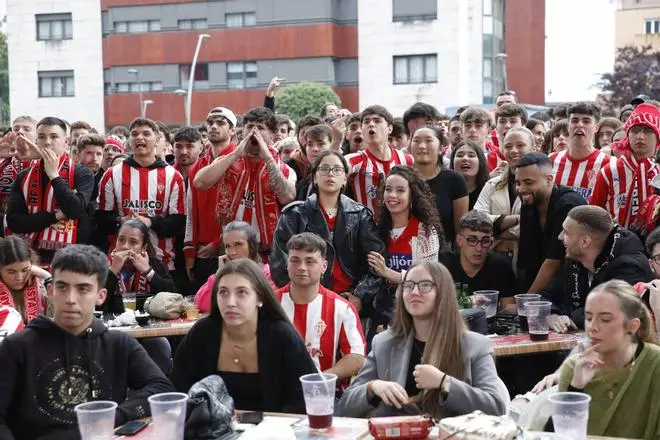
(132,428)
(251,418)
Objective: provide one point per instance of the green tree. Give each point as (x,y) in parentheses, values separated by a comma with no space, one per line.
(636,71)
(304,98)
(4,79)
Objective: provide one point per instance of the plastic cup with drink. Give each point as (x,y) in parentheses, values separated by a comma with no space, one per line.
(521,300)
(168,414)
(96,420)
(486,299)
(538,313)
(130,300)
(192,310)
(319,394)
(570,414)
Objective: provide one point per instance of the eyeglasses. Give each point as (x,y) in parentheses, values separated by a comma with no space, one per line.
(472,241)
(336,171)
(422,286)
(656,258)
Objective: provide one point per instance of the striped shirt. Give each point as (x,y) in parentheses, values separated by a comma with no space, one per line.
(150,192)
(622,186)
(326,324)
(579,175)
(367,171)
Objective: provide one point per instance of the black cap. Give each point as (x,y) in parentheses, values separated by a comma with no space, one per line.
(640,99)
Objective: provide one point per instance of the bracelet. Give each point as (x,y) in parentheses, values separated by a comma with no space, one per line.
(442,382)
(150,273)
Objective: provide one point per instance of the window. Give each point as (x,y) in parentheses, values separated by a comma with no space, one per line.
(488,68)
(201,75)
(242,75)
(415,69)
(137,26)
(54,27)
(193,24)
(240,19)
(56,83)
(652,26)
(134,87)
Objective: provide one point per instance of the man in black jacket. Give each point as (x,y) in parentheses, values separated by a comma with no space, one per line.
(53,365)
(49,200)
(596,251)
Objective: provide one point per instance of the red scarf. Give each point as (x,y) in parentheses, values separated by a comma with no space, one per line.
(9,169)
(62,233)
(33,305)
(231,190)
(640,188)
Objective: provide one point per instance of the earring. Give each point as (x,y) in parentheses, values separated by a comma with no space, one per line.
(260,304)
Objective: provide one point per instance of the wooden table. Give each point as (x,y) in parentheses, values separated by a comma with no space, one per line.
(515,345)
(158,328)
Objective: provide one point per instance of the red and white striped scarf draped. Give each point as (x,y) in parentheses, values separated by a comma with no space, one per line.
(33,305)
(640,188)
(62,233)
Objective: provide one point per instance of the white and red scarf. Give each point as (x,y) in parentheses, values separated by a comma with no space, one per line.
(62,233)
(640,187)
(33,304)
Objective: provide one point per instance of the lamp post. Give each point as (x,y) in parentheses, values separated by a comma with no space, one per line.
(137,78)
(502,56)
(145,104)
(191,79)
(181,92)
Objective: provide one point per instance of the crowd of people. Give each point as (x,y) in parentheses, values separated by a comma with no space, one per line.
(336,245)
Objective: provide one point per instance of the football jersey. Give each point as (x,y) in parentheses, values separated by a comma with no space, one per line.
(580,175)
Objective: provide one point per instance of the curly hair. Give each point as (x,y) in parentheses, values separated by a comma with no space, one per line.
(423,205)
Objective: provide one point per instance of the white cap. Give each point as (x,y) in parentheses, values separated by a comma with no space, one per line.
(225,113)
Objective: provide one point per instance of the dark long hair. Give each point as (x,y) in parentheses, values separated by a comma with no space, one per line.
(250,236)
(482,173)
(442,139)
(423,206)
(144,230)
(14,249)
(271,309)
(315,167)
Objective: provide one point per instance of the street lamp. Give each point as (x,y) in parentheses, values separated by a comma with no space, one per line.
(181,92)
(145,104)
(502,56)
(137,78)
(191,79)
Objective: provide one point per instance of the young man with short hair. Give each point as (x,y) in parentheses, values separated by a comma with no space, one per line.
(507,116)
(328,323)
(544,209)
(49,201)
(474,264)
(476,127)
(284,128)
(578,166)
(253,184)
(78,129)
(187,146)
(506,97)
(299,162)
(317,140)
(201,244)
(455,131)
(369,167)
(418,115)
(597,251)
(624,185)
(353,135)
(398,138)
(146,188)
(53,365)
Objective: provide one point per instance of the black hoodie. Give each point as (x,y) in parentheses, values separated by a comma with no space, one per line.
(164,226)
(621,258)
(46,371)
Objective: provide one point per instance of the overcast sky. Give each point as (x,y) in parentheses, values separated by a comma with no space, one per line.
(579,46)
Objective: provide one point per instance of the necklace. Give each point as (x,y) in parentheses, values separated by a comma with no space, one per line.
(236,358)
(613,388)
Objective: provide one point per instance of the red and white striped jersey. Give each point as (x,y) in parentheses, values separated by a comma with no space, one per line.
(580,175)
(368,170)
(10,320)
(150,192)
(327,323)
(623,186)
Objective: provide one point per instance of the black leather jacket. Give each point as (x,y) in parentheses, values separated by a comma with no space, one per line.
(354,237)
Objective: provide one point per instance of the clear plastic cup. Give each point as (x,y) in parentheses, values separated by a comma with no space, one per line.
(96,420)
(570,414)
(521,300)
(168,415)
(538,313)
(486,299)
(319,394)
(130,300)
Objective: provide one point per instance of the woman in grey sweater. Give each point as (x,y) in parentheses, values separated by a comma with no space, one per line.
(427,362)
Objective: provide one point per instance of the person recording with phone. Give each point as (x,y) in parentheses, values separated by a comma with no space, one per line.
(254,184)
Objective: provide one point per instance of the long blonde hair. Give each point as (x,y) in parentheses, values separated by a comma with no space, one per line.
(632,307)
(443,349)
(504,179)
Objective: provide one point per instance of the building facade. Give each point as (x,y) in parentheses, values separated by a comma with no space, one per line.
(152,42)
(55,59)
(638,23)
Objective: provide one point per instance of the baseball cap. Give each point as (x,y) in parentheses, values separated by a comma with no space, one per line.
(640,99)
(225,113)
(115,142)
